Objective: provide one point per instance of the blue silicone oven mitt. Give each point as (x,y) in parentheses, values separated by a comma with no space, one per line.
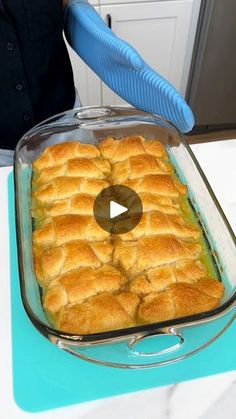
(121,67)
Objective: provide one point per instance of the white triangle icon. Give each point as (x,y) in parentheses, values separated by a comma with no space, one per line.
(116,209)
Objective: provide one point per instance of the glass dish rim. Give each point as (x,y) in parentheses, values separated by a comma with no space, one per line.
(195,319)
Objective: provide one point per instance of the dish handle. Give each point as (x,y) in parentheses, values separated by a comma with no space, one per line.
(185,341)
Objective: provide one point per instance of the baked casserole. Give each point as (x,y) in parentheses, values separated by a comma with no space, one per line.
(95,281)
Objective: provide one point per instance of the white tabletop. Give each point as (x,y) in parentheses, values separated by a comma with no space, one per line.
(208,398)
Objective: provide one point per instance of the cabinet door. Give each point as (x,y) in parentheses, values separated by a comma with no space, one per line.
(158,30)
(87,83)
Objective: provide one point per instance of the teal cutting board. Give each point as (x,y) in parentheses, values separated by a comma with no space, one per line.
(46,377)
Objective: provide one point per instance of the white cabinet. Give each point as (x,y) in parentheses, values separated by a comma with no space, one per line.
(161,31)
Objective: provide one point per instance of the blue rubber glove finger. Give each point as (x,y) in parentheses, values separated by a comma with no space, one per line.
(121,67)
(84,27)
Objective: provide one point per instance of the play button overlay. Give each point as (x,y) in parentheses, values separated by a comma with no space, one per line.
(118,209)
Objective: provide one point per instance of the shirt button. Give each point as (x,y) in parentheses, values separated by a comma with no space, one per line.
(10,46)
(26,117)
(19,86)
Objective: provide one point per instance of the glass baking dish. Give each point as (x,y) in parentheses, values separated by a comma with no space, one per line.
(147,345)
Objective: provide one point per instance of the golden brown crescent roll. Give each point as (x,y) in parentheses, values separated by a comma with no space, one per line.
(119,150)
(81,204)
(157,307)
(80,167)
(138,166)
(58,154)
(157,185)
(129,302)
(59,260)
(81,284)
(181,299)
(101,313)
(67,228)
(155,223)
(211,287)
(185,271)
(157,279)
(66,187)
(153,251)
(141,286)
(151,202)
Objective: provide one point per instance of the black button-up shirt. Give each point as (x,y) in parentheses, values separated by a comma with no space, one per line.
(36,78)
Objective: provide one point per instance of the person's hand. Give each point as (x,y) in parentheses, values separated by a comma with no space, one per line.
(121,67)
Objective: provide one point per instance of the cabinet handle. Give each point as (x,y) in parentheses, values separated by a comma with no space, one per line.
(109,22)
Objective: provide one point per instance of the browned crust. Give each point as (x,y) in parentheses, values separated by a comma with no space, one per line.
(95,282)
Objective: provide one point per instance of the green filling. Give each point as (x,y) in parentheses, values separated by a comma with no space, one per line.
(206,257)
